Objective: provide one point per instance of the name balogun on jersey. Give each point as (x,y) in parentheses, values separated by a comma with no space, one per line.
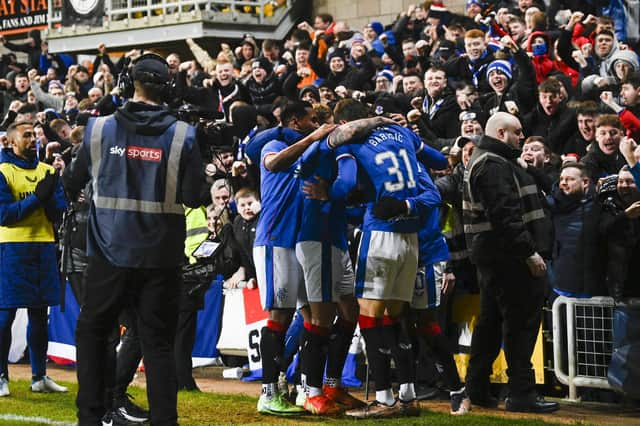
(138,153)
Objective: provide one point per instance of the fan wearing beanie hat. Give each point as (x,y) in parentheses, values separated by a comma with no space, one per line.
(474,8)
(337,62)
(390,104)
(499,75)
(383,81)
(376,26)
(263,85)
(388,74)
(264,64)
(337,52)
(509,94)
(261,69)
(335,69)
(310,94)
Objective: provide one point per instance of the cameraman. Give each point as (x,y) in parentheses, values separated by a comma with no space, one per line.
(145,165)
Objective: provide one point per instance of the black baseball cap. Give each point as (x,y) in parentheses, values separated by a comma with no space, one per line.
(150,68)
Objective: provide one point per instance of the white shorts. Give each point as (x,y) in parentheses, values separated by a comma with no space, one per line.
(428,287)
(387,266)
(328,274)
(279,277)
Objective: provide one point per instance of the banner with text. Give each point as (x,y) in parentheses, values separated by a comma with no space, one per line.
(22,15)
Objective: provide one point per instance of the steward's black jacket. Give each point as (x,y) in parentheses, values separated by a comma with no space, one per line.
(502,209)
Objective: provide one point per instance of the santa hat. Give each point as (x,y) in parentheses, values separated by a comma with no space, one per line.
(437,10)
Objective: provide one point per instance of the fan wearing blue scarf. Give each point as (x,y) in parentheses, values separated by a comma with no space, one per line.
(472,65)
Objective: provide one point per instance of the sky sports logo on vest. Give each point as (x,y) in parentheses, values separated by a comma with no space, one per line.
(138,153)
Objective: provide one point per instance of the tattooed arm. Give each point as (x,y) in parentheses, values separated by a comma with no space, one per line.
(356,129)
(284,159)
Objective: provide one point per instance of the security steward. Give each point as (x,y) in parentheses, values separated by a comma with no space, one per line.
(506,230)
(31,201)
(145,165)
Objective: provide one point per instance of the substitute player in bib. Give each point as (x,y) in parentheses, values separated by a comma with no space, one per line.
(31,201)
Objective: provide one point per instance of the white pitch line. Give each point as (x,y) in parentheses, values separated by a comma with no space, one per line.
(40,420)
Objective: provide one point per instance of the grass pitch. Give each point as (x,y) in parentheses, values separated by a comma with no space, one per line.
(202,409)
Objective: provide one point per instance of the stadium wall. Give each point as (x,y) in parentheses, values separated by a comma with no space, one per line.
(360,12)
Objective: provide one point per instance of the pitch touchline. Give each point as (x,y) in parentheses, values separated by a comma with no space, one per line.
(41,420)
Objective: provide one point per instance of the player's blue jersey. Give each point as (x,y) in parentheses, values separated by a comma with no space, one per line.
(387,166)
(322,220)
(281,203)
(253,148)
(433,247)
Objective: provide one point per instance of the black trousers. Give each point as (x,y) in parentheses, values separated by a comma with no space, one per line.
(75,280)
(154,296)
(510,313)
(185,339)
(129,355)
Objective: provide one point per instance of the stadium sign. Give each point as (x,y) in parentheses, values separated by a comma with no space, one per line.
(22,15)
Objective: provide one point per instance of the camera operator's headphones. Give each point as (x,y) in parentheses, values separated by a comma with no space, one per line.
(131,72)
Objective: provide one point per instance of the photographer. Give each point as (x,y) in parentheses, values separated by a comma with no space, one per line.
(223,146)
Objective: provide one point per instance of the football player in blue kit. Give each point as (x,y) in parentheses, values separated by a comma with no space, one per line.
(279,274)
(322,251)
(388,253)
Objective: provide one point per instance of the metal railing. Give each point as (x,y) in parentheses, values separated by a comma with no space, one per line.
(131,10)
(588,328)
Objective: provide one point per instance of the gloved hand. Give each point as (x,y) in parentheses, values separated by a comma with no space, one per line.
(46,187)
(389,207)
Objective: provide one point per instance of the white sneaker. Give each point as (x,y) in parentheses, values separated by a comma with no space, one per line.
(47,385)
(301,396)
(4,386)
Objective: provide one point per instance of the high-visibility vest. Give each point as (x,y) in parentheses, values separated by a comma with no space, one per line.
(136,218)
(35,227)
(197,231)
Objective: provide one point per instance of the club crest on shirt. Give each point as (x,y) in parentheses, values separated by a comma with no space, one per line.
(282,294)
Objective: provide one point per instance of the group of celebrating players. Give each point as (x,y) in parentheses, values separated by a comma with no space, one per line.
(301,253)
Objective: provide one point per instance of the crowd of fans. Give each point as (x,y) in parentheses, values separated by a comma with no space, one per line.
(567,71)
